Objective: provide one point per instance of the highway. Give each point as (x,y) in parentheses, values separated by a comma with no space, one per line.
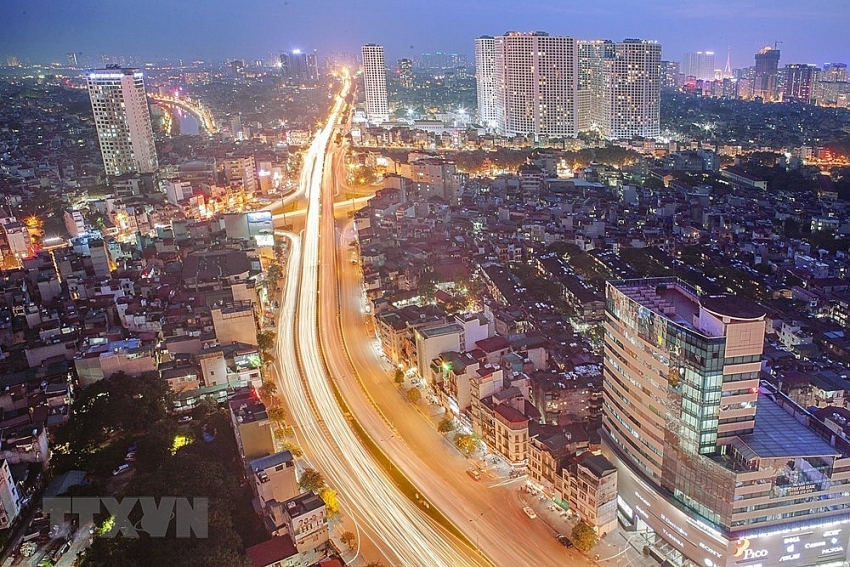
(406,536)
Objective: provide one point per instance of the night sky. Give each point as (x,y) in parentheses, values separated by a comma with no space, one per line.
(42,31)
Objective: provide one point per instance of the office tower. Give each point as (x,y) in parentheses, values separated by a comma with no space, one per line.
(375,83)
(485,79)
(236,67)
(593,83)
(699,65)
(835,72)
(405,73)
(800,82)
(633,94)
(670,75)
(714,467)
(299,68)
(536,87)
(123,120)
(766,74)
(72,60)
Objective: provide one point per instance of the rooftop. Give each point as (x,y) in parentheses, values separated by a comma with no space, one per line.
(303,504)
(778,435)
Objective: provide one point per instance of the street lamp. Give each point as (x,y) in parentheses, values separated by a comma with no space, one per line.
(474,521)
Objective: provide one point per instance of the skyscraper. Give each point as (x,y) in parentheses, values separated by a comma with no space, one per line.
(835,72)
(405,73)
(123,120)
(485,77)
(714,467)
(633,94)
(536,85)
(800,82)
(670,75)
(766,74)
(593,83)
(375,83)
(699,65)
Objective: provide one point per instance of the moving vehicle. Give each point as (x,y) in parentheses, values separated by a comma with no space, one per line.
(120,469)
(475,474)
(529,512)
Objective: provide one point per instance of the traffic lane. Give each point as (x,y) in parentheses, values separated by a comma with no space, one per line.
(445,480)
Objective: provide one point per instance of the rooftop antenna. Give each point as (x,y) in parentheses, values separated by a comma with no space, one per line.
(727,70)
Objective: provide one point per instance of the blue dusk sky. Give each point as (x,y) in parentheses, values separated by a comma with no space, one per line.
(42,31)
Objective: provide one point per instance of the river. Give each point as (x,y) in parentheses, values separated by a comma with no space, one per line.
(188,123)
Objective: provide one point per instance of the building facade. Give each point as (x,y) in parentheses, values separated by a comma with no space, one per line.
(714,468)
(123,120)
(536,85)
(375,83)
(766,74)
(633,96)
(800,82)
(485,76)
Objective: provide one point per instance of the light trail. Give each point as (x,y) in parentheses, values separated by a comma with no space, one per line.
(407,536)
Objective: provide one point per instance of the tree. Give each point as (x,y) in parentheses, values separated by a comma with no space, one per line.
(267,391)
(265,340)
(374,564)
(311,480)
(584,537)
(414,395)
(277,414)
(399,376)
(329,496)
(280,434)
(348,538)
(465,443)
(446,425)
(292,448)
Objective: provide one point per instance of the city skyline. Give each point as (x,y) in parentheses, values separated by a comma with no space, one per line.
(253,29)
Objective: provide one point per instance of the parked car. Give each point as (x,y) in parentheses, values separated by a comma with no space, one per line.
(475,474)
(529,512)
(185,419)
(120,469)
(564,540)
(130,457)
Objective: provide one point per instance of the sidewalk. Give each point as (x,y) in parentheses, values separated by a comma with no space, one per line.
(616,548)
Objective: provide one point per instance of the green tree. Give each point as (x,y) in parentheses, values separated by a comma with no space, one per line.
(348,538)
(267,392)
(265,340)
(414,395)
(293,448)
(465,443)
(584,537)
(277,414)
(329,496)
(446,425)
(399,376)
(311,480)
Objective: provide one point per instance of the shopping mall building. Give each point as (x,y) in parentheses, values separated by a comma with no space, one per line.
(715,468)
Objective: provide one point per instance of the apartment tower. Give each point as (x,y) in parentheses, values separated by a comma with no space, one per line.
(536,85)
(485,78)
(123,120)
(375,83)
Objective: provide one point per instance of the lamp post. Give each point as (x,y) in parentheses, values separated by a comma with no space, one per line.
(474,521)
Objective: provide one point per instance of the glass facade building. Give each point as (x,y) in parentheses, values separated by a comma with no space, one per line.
(707,455)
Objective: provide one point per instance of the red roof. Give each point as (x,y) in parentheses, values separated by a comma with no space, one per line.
(271,551)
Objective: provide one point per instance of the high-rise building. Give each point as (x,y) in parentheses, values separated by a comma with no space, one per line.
(670,75)
(593,84)
(633,94)
(405,73)
(375,83)
(536,85)
(715,468)
(800,82)
(485,78)
(299,67)
(699,65)
(766,74)
(835,72)
(123,120)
